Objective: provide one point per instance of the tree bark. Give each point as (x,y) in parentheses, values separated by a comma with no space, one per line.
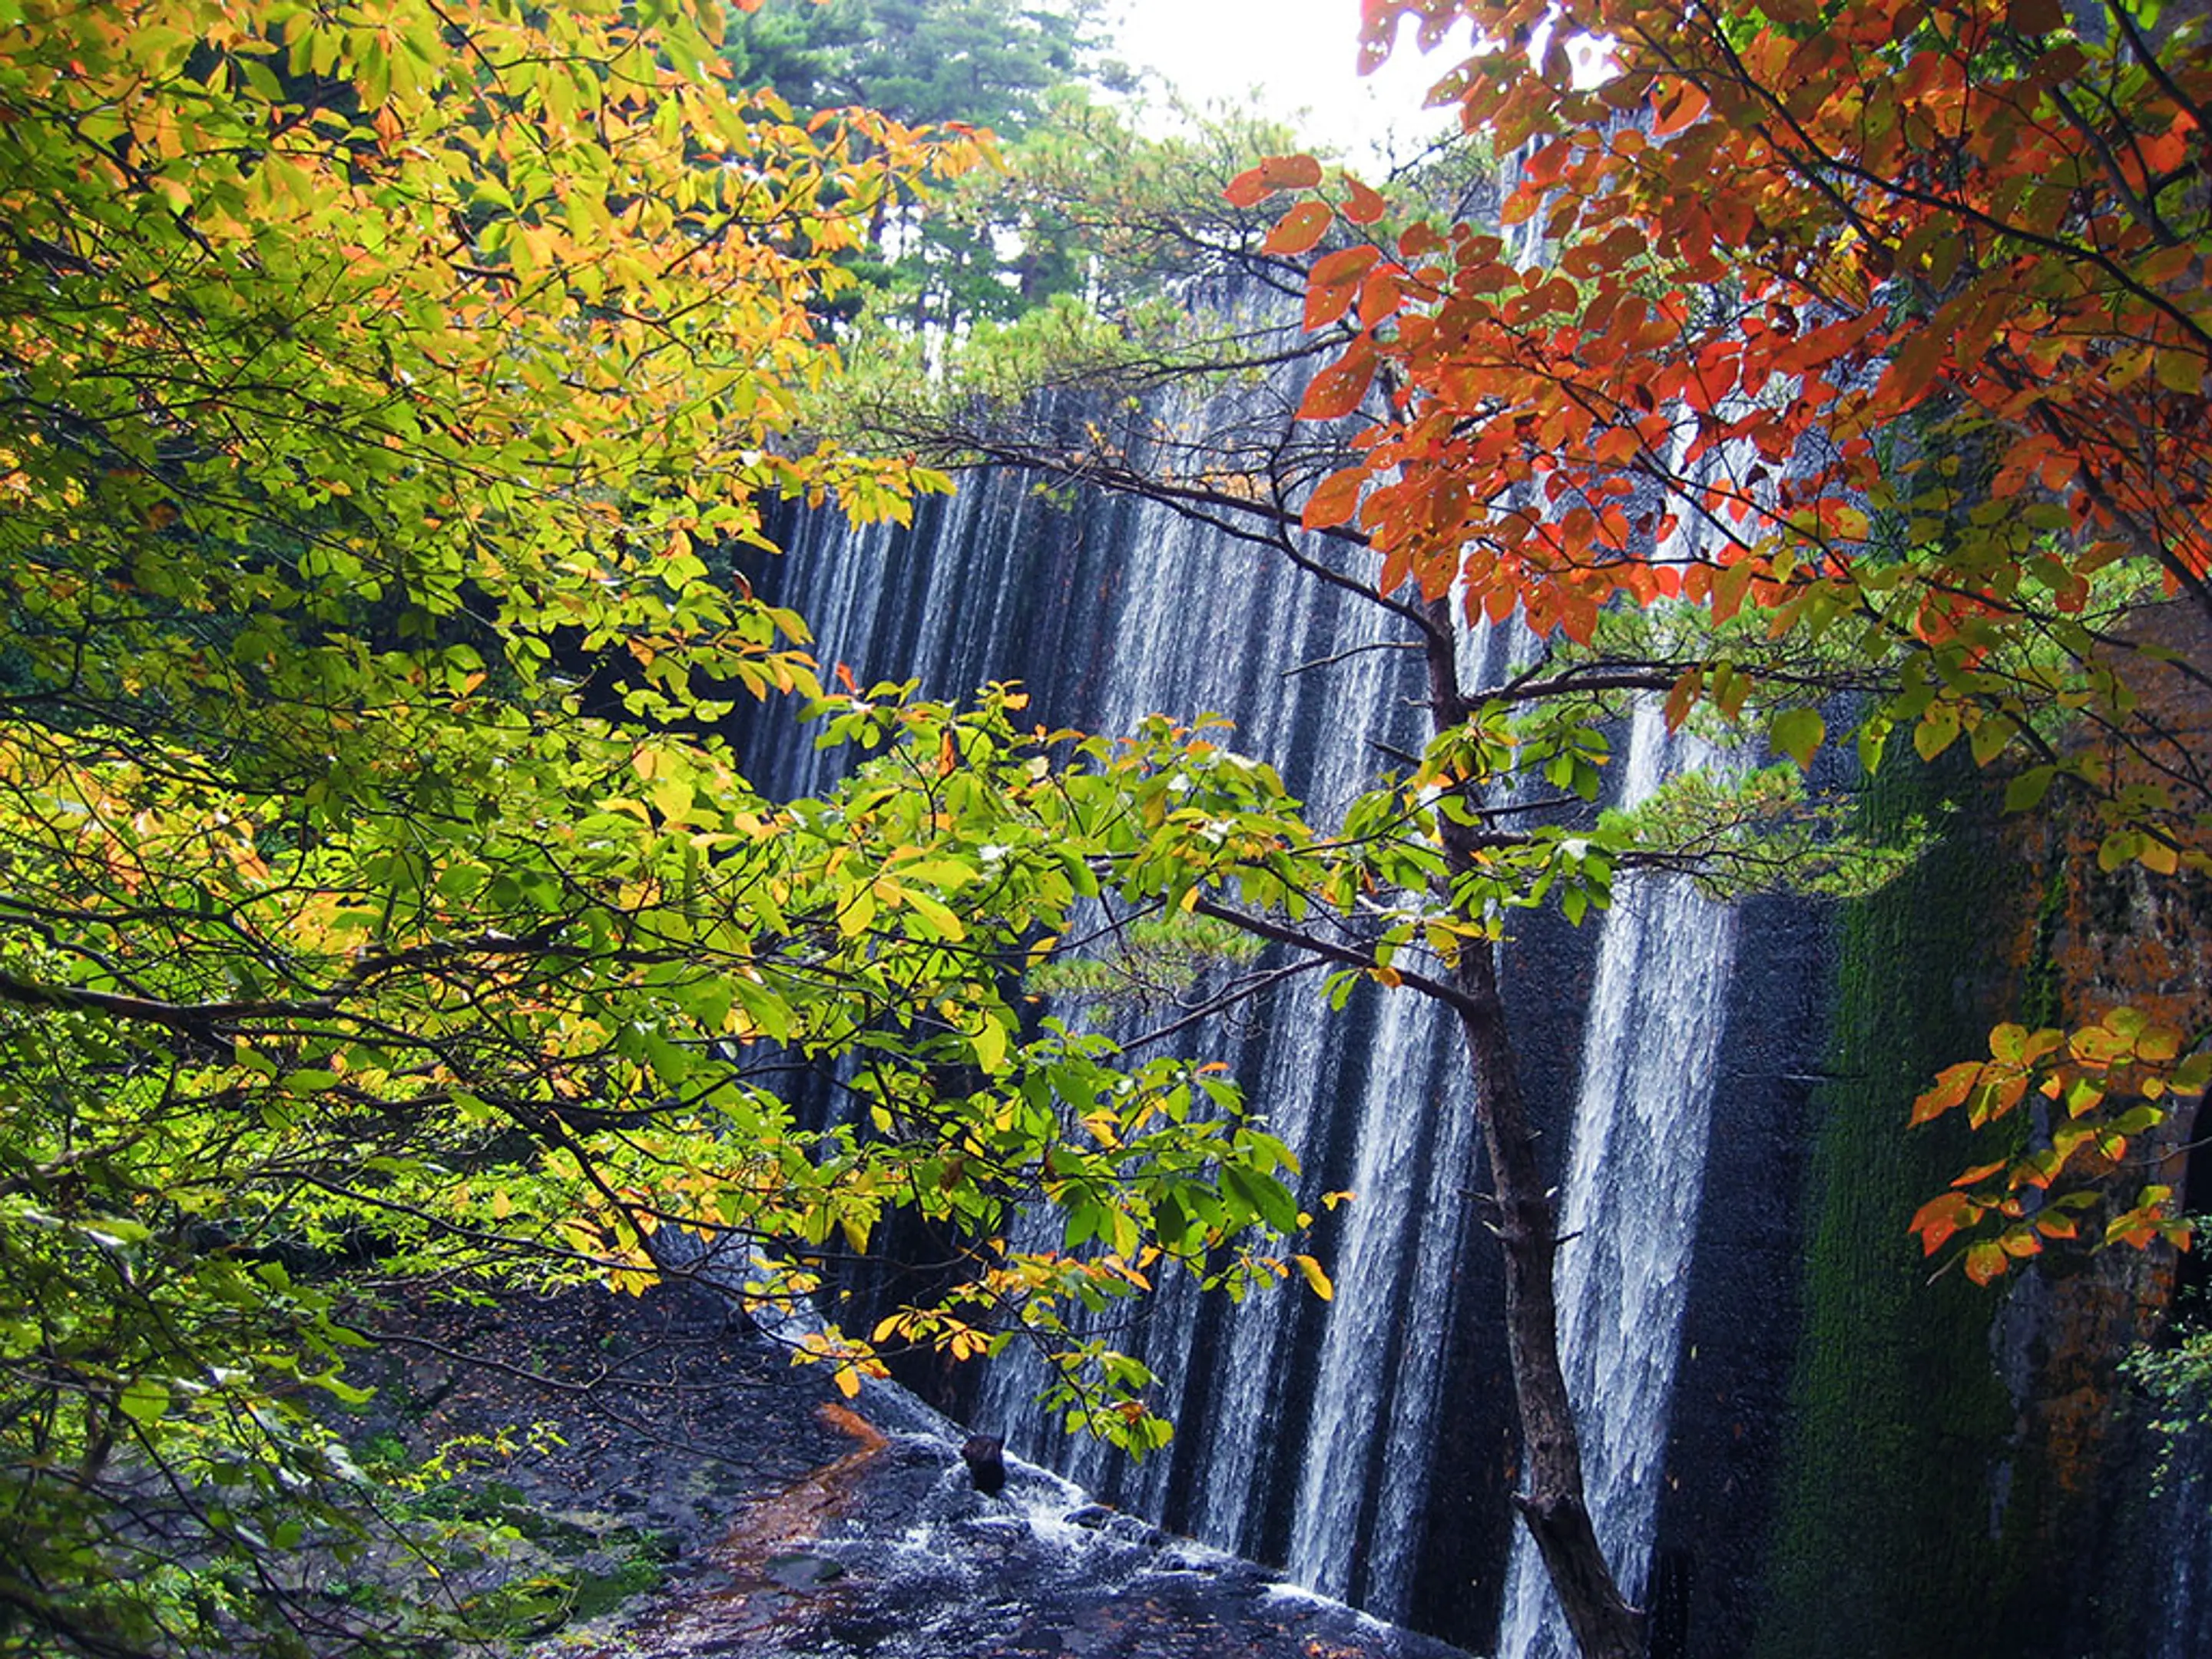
(1551,1501)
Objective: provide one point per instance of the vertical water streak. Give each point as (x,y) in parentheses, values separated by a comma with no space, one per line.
(1317,1425)
(1205,624)
(2180,1616)
(1629,1219)
(1364,1473)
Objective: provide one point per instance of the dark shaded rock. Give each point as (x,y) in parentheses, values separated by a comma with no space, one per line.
(800,1570)
(986,1457)
(761,1516)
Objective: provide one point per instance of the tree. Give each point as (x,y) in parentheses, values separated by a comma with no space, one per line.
(1419,883)
(381,389)
(980,63)
(1858,348)
(1007,69)
(1900,306)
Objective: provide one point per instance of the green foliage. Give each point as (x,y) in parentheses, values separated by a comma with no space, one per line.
(986,62)
(1149,961)
(2178,1379)
(1763,832)
(373,886)
(1005,68)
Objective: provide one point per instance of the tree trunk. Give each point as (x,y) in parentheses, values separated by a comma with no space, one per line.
(1551,1501)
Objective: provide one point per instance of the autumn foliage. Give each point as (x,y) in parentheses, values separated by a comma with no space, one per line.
(1764,244)
(1886,326)
(384,388)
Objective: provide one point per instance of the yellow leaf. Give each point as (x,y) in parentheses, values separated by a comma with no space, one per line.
(1316,1277)
(852,920)
(990,1045)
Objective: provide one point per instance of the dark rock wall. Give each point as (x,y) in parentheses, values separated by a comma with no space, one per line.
(1727,1440)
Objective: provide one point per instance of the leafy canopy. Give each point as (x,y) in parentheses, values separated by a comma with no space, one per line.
(1883,324)
(382,387)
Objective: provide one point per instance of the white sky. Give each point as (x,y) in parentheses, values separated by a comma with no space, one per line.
(1297,54)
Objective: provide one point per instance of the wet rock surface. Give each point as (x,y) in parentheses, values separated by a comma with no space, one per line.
(788,1523)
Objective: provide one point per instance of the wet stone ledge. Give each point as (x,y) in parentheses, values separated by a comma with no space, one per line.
(684,1491)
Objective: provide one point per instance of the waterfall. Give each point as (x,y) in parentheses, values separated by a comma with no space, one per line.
(1307,1433)
(2179,1622)
(1636,1170)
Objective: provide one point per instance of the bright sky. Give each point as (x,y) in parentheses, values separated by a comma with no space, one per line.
(1297,54)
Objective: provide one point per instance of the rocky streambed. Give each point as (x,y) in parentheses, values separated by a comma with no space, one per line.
(650,1478)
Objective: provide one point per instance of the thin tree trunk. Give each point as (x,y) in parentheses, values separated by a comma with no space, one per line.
(1551,1501)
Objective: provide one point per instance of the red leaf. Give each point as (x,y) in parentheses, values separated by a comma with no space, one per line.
(1415,241)
(1299,229)
(1334,500)
(1337,390)
(1912,368)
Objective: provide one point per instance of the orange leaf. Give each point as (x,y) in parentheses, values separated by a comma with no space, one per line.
(1255,185)
(1365,206)
(1334,500)
(1333,283)
(1986,1262)
(1979,1172)
(1952,1084)
(1337,390)
(1299,229)
(1688,104)
(1939,1218)
(1379,295)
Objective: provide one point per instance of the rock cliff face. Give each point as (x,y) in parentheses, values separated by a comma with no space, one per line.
(1969,1471)
(2099,938)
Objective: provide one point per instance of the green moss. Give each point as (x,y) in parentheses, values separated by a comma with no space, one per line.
(514,1571)
(1902,1510)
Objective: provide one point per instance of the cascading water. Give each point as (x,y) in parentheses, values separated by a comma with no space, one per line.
(1628,1223)
(1306,1433)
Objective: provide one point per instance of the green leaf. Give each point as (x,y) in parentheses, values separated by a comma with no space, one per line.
(146,1400)
(1937,729)
(1798,733)
(2025,791)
